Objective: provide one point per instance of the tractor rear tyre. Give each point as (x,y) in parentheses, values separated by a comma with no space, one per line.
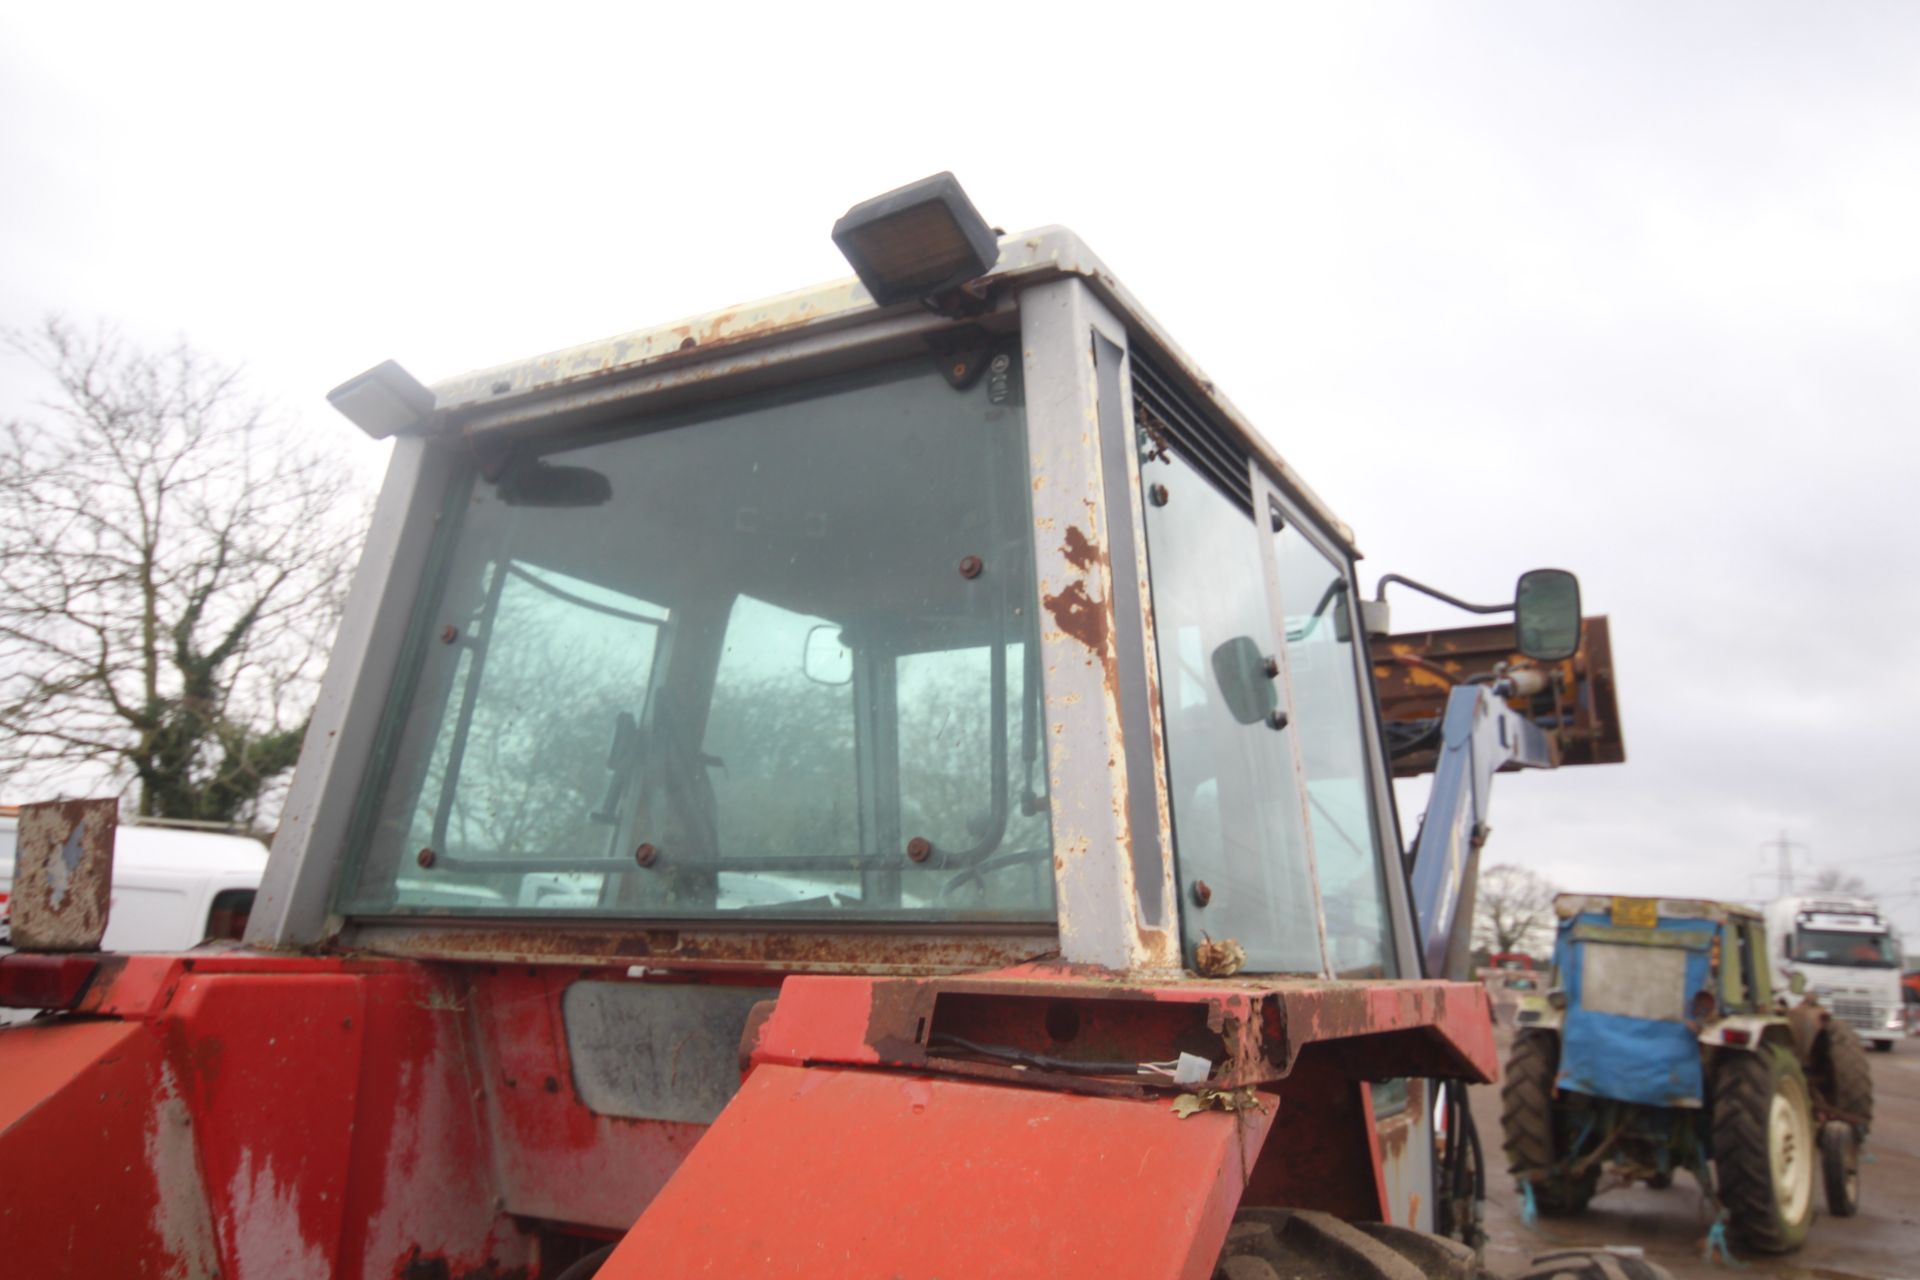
(1763,1147)
(1527,1124)
(1843,1073)
(1840,1167)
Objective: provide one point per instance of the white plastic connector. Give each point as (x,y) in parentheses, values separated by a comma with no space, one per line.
(1191,1068)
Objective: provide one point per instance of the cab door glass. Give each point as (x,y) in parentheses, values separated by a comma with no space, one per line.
(1328,705)
(1237,822)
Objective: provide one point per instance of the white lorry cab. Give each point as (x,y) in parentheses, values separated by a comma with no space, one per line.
(173,887)
(1849,957)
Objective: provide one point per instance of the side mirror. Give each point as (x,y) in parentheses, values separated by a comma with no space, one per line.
(1245,679)
(1546,606)
(827,659)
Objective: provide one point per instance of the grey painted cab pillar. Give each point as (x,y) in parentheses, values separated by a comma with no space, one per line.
(295,898)
(1113,863)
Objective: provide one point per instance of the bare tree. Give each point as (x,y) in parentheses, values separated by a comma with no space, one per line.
(1835,881)
(1513,909)
(172,573)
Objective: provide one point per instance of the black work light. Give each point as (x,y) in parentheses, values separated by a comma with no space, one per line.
(918,241)
(384,401)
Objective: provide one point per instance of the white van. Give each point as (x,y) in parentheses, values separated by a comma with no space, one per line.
(173,887)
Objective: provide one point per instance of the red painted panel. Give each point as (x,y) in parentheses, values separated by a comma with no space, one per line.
(269,1063)
(1327,1155)
(826,1173)
(98,1175)
(557,1160)
(37,1061)
(421,1179)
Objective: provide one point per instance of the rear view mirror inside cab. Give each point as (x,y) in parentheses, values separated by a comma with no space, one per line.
(828,660)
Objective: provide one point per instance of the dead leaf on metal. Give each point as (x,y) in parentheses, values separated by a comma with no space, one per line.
(1220,959)
(1192,1104)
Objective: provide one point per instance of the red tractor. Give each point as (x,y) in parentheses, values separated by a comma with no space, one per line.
(893,780)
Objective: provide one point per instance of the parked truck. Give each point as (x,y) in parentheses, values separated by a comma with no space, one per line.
(892,780)
(1849,957)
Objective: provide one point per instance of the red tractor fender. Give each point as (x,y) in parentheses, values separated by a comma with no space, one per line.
(859,1146)
(825,1173)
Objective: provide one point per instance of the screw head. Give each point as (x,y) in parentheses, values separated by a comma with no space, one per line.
(426,857)
(1276,720)
(970,566)
(646,855)
(1202,893)
(449,633)
(1159,494)
(1271,665)
(919,849)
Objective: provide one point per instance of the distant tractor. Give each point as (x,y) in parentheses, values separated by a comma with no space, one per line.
(1659,1048)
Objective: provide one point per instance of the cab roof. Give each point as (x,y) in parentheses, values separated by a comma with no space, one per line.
(513,394)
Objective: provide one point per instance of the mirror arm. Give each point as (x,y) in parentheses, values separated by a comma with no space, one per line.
(1380,593)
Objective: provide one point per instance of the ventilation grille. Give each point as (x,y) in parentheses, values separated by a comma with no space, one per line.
(1164,412)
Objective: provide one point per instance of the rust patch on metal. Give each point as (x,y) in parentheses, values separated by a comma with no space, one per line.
(1079,550)
(1393,1136)
(758,951)
(1078,615)
(63,874)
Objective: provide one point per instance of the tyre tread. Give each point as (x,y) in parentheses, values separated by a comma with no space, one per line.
(1743,1087)
(1527,1128)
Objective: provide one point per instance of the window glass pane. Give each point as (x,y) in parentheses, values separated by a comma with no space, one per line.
(995,833)
(542,668)
(1327,698)
(708,665)
(1836,946)
(780,759)
(1237,822)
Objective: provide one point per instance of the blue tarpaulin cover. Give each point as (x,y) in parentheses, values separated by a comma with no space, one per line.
(1609,1055)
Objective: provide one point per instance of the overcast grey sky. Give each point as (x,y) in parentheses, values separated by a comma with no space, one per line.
(1632,288)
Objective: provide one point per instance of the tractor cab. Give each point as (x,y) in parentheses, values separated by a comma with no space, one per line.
(916,723)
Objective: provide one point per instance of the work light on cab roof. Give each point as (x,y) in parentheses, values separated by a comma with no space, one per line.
(919,241)
(384,401)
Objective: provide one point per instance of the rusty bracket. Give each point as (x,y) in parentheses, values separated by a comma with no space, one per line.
(63,874)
